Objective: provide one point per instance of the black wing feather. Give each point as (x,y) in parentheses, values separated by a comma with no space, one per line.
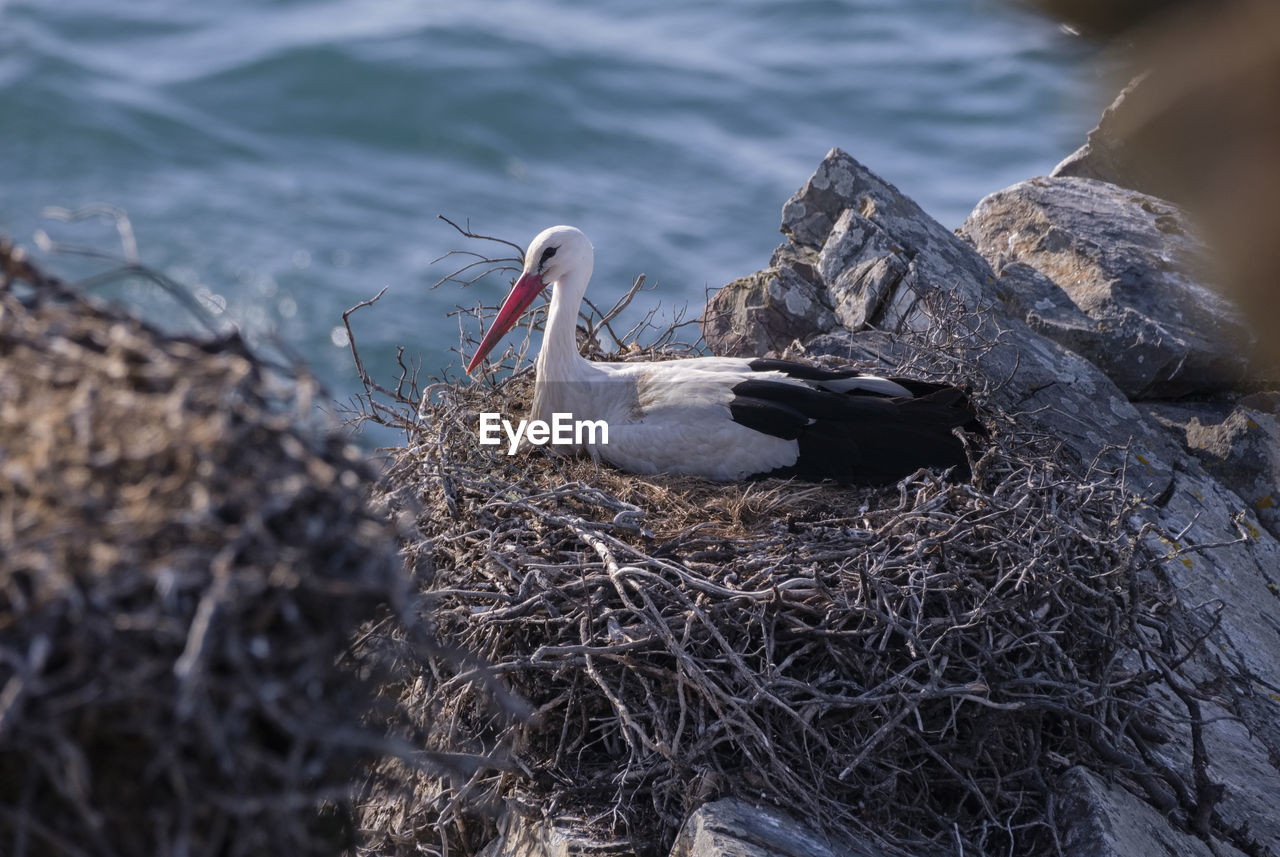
(858,437)
(772,418)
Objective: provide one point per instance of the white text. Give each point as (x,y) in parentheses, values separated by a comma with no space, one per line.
(563,430)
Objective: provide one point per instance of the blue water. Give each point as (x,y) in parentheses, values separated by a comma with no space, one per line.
(287,159)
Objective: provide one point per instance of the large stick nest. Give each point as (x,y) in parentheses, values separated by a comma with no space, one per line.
(184,559)
(921,660)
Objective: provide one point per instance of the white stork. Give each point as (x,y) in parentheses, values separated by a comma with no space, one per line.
(726,418)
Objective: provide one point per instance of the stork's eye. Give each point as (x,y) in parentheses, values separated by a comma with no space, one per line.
(546,256)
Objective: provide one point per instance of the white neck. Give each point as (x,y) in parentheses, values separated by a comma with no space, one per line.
(559,359)
(559,364)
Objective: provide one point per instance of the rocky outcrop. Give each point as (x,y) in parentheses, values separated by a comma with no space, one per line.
(1070,283)
(1122,284)
(852,253)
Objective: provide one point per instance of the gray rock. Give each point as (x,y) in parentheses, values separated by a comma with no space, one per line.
(1242,451)
(1238,443)
(1252,779)
(876,349)
(1128,268)
(843,197)
(734,828)
(1100,820)
(767,311)
(862,265)
(1174,417)
(1047,309)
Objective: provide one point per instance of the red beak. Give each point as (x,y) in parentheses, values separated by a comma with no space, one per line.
(522,294)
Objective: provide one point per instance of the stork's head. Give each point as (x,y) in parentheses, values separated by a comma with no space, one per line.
(560,256)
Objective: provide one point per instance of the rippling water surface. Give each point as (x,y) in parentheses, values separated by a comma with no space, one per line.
(288,158)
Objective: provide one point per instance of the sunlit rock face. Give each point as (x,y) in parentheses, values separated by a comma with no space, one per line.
(1124,283)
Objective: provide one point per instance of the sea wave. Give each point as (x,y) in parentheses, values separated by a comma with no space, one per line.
(247,138)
